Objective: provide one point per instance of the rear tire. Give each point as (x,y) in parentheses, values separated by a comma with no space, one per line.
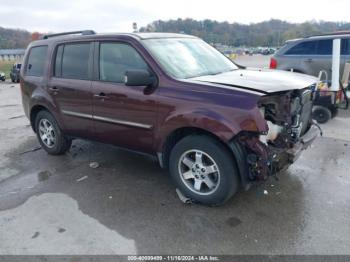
(50,136)
(204,170)
(321,114)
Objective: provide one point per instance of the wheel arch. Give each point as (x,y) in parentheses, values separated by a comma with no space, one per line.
(34,112)
(235,149)
(40,107)
(176,135)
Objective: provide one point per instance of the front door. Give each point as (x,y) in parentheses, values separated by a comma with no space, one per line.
(122,115)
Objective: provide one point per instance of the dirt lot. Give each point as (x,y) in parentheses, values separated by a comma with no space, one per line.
(59,205)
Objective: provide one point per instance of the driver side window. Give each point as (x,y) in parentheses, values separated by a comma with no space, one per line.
(116,59)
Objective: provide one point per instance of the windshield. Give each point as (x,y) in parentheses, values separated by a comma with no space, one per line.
(188,57)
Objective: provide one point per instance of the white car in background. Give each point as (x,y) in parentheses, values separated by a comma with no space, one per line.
(2,76)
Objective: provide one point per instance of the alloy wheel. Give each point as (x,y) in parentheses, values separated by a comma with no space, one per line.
(47,133)
(199,172)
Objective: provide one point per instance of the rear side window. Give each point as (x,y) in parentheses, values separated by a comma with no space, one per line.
(303,48)
(72,61)
(36,61)
(345,46)
(116,58)
(324,47)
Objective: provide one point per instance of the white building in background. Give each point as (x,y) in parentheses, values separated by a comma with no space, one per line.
(11,54)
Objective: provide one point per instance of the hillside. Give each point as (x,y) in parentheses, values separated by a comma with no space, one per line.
(14,38)
(269,33)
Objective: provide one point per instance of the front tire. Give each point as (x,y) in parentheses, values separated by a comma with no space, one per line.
(204,170)
(50,136)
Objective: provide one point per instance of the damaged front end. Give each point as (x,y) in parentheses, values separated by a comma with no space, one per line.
(290,130)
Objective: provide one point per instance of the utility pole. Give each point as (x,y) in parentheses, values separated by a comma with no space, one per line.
(134,27)
(336,64)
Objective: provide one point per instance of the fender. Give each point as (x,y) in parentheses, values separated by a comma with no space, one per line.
(40,98)
(213,122)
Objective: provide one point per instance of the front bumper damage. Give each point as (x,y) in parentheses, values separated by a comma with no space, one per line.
(257,161)
(305,141)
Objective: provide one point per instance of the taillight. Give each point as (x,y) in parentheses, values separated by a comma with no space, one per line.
(339,96)
(273,63)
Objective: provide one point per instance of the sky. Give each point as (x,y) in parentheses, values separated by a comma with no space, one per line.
(118,15)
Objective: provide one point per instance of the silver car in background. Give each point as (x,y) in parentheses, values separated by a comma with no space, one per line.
(310,55)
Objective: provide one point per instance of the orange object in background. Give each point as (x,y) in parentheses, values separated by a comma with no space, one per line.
(36,36)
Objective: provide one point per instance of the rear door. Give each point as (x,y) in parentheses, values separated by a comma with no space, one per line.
(302,56)
(323,57)
(70,87)
(322,60)
(123,115)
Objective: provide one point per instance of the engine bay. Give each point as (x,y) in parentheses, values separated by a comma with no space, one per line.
(288,117)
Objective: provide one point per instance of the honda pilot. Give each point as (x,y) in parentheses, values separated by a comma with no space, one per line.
(217,127)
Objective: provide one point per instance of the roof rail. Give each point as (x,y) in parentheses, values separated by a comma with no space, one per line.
(83,32)
(346,32)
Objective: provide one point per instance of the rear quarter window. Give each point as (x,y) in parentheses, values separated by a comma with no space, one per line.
(36,61)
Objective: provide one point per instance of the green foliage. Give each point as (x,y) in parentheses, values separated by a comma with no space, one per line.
(269,33)
(5,66)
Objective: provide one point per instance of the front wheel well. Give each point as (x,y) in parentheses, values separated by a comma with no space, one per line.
(34,112)
(179,134)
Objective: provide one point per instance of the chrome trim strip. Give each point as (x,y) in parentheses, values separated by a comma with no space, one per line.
(121,122)
(107,119)
(71,113)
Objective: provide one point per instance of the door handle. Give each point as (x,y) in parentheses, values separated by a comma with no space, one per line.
(54,90)
(309,60)
(102,96)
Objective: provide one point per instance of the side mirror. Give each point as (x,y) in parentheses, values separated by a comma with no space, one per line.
(138,77)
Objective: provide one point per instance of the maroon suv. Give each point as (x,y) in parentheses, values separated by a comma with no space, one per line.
(216,126)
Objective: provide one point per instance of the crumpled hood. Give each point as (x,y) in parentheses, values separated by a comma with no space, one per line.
(261,80)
